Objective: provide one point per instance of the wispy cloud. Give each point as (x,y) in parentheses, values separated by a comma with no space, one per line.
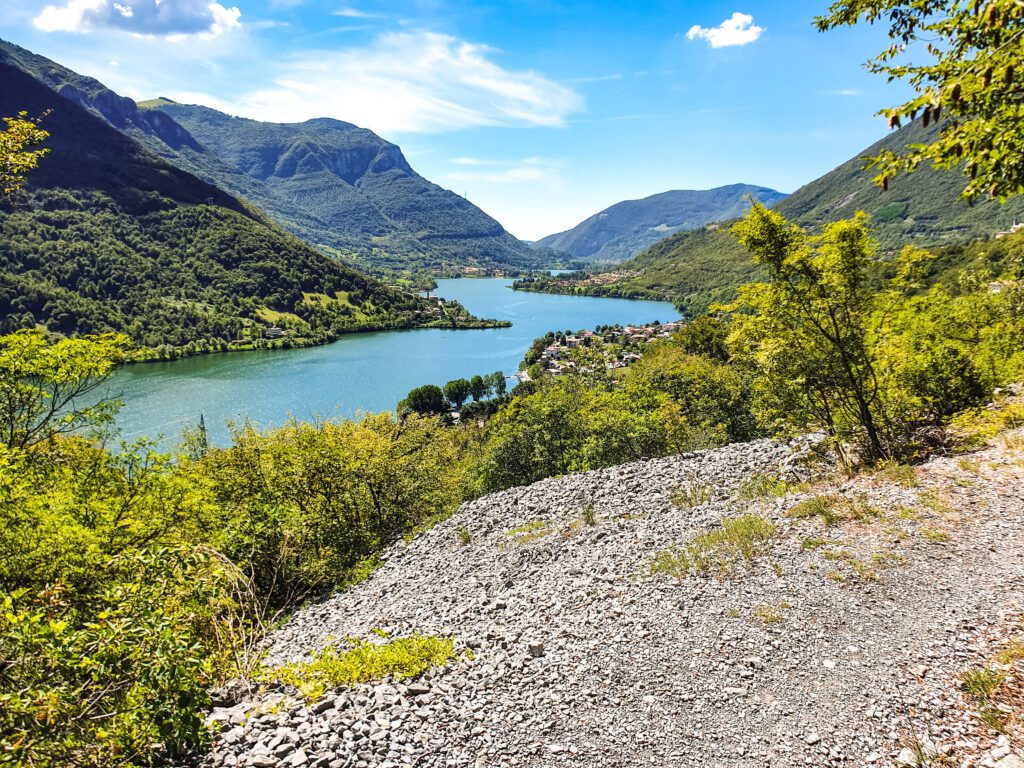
(173,19)
(409,82)
(844,92)
(596,79)
(475,161)
(528,169)
(738,29)
(354,13)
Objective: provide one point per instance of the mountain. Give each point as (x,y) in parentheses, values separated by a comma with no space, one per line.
(922,208)
(625,229)
(109,237)
(337,186)
(697,268)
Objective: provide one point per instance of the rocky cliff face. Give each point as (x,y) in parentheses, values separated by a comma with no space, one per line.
(839,643)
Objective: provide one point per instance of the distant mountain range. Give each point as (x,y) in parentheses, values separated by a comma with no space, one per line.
(338,186)
(625,229)
(109,237)
(698,267)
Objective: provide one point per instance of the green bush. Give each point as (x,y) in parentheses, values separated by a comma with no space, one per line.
(114,678)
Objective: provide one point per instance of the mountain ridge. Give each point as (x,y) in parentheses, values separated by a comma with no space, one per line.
(393,223)
(624,229)
(107,236)
(700,267)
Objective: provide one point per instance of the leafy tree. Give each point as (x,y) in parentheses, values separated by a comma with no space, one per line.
(426,400)
(45,388)
(705,335)
(498,383)
(457,390)
(478,388)
(809,331)
(971,84)
(17,157)
(837,341)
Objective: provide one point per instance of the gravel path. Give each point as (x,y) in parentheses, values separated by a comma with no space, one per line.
(824,651)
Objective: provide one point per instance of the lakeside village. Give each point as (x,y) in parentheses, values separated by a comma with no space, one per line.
(552,354)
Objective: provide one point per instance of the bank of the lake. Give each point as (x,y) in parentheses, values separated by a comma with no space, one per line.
(361,372)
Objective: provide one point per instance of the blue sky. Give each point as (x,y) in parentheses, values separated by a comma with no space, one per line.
(541,112)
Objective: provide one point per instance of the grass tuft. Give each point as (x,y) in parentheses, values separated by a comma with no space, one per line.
(736,542)
(904,474)
(463,535)
(833,509)
(691,495)
(761,486)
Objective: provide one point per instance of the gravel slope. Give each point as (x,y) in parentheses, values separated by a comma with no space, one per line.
(824,654)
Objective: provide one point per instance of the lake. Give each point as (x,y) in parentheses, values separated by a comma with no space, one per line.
(360,372)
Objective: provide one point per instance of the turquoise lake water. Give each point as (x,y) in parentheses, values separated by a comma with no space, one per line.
(361,372)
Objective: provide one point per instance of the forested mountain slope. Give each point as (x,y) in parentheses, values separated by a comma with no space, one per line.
(107,236)
(625,229)
(697,268)
(336,185)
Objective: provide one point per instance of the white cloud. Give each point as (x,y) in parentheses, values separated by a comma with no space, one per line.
(738,29)
(408,82)
(844,92)
(355,13)
(529,169)
(174,19)
(474,161)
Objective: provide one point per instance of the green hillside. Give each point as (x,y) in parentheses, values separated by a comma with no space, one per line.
(107,236)
(921,208)
(627,228)
(698,268)
(339,187)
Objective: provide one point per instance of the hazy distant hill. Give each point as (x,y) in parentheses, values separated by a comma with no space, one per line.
(107,236)
(699,267)
(332,183)
(625,229)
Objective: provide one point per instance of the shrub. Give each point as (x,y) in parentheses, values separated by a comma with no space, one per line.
(116,678)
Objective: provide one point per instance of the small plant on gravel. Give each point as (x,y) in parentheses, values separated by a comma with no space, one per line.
(463,535)
(833,509)
(935,501)
(978,426)
(935,535)
(531,531)
(691,495)
(737,541)
(1012,653)
(969,465)
(1014,441)
(812,543)
(589,513)
(904,474)
(771,614)
(983,684)
(363,662)
(762,486)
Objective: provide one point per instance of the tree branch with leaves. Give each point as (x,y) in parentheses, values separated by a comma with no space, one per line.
(971,84)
